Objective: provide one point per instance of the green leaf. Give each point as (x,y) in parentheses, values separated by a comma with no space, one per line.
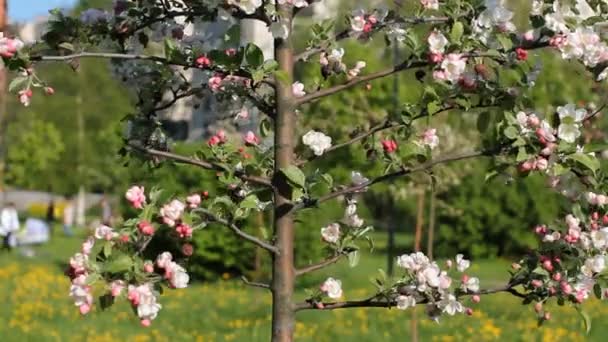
(254,56)
(119,264)
(586,160)
(250,202)
(522,154)
(107,249)
(265,127)
(505,42)
(282,77)
(511,132)
(294,175)
(597,290)
(457,31)
(586,319)
(328,179)
(17,83)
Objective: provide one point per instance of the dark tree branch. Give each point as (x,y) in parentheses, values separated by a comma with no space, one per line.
(200,163)
(376,302)
(236,230)
(320,265)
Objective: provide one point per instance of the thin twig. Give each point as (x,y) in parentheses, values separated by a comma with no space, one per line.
(236,230)
(254,284)
(200,163)
(320,265)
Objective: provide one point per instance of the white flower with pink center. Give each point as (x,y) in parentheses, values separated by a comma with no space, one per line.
(437,42)
(429,138)
(163,259)
(103,232)
(172,212)
(298,89)
(453,66)
(331,233)
(136,196)
(193,200)
(332,288)
(79,262)
(404,302)
(116,287)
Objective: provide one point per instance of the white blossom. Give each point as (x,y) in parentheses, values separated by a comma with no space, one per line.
(331,233)
(317,141)
(470,285)
(298,89)
(437,42)
(461,263)
(247,6)
(451,305)
(332,288)
(453,66)
(404,302)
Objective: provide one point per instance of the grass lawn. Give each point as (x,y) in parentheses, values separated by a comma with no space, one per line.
(36,307)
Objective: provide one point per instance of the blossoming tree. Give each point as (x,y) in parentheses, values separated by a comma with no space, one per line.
(462,51)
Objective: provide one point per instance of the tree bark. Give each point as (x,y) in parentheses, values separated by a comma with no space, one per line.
(283,271)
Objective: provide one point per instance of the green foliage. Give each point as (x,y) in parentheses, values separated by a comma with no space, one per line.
(494,218)
(33,153)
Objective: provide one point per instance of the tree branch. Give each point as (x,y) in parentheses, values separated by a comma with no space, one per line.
(406,65)
(373,301)
(348,33)
(254,284)
(390,176)
(384,126)
(320,265)
(200,163)
(236,230)
(123,56)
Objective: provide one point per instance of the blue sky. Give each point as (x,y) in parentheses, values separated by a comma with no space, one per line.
(23,10)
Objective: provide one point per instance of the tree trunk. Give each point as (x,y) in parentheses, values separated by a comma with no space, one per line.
(283,275)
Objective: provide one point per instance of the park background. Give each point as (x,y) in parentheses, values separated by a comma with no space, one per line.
(70,142)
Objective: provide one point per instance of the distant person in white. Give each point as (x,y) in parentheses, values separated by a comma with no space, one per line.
(9,224)
(68,217)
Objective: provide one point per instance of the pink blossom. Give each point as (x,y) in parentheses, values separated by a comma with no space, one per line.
(430,4)
(230,52)
(116,287)
(565,287)
(148,267)
(9,46)
(215,83)
(84,309)
(537,283)
(49,91)
(436,58)
(184,231)
(429,138)
(145,228)
(87,245)
(193,200)
(203,62)
(251,139)
(145,322)
(25,97)
(136,195)
(476,299)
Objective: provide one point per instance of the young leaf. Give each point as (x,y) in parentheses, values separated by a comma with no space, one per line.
(294,175)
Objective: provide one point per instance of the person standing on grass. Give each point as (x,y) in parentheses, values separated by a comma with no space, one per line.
(9,223)
(50,215)
(68,217)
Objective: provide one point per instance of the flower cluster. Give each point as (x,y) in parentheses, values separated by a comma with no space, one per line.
(425,282)
(317,142)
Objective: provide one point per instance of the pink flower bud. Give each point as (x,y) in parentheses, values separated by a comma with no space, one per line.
(548,265)
(541,164)
(145,228)
(468,311)
(605,219)
(187,249)
(148,267)
(552,291)
(476,299)
(522,54)
(533,120)
(547,316)
(49,91)
(84,309)
(595,215)
(537,283)
(124,238)
(145,323)
(557,276)
(203,62)
(526,166)
(538,307)
(435,58)
(320,306)
(529,35)
(465,278)
(389,146)
(515,266)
